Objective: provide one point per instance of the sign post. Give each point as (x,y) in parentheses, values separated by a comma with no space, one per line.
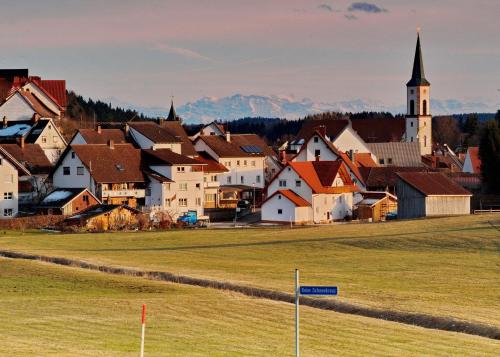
(143,322)
(307,290)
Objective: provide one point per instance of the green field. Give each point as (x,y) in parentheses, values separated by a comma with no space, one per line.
(50,310)
(446,267)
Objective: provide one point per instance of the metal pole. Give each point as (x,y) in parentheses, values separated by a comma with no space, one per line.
(297,312)
(143,323)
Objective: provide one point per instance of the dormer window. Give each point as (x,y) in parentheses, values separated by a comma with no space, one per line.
(73,155)
(316,139)
(119,167)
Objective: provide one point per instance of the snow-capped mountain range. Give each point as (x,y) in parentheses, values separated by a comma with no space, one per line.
(207,109)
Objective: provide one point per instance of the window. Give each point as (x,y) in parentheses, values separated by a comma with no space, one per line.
(253,162)
(316,139)
(411,123)
(424,107)
(298,183)
(244,162)
(198,186)
(168,202)
(85,198)
(204,179)
(180,168)
(389,160)
(425,140)
(227,164)
(73,155)
(282,183)
(412,91)
(8,212)
(7,195)
(66,171)
(183,186)
(411,139)
(257,179)
(229,179)
(317,152)
(79,170)
(381,161)
(280,211)
(412,107)
(44,139)
(214,178)
(198,201)
(167,186)
(183,202)
(279,197)
(242,179)
(55,139)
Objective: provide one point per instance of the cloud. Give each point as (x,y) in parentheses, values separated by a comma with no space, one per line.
(350,17)
(325,7)
(183,52)
(366,7)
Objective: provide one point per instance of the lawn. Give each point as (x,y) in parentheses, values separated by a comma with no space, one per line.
(48,310)
(446,267)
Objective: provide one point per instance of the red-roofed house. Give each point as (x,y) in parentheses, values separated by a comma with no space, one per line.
(472,163)
(310,192)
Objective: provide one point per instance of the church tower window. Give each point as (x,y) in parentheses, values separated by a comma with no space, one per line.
(412,107)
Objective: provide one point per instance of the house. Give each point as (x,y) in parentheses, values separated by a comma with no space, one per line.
(376,205)
(472,163)
(309,192)
(10,170)
(380,130)
(175,129)
(243,155)
(67,201)
(402,154)
(426,194)
(46,134)
(33,182)
(210,129)
(150,135)
(175,182)
(22,105)
(211,178)
(98,135)
(112,172)
(105,217)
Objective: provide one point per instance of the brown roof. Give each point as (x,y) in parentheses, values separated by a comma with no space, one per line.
(92,136)
(37,105)
(332,127)
(252,140)
(211,164)
(154,132)
(175,128)
(233,148)
(385,176)
(168,157)
(364,159)
(380,130)
(122,163)
(433,184)
(292,196)
(31,156)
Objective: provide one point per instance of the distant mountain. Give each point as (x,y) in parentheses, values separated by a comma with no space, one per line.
(207,109)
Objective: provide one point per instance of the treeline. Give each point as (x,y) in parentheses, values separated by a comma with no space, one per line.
(489,152)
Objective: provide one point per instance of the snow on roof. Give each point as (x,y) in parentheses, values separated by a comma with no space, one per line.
(57,196)
(15,130)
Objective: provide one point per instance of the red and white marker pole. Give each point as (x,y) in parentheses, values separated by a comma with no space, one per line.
(143,328)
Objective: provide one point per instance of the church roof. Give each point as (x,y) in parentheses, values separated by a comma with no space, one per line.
(172,115)
(418,76)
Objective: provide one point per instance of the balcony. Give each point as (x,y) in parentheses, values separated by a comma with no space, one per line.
(134,192)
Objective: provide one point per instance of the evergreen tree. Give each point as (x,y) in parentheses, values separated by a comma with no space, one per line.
(489,153)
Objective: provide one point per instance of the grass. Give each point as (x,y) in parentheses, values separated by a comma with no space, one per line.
(446,267)
(49,310)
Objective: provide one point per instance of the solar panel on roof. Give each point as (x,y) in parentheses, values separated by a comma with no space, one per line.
(252,149)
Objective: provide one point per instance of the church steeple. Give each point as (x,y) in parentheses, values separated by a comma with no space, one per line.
(172,115)
(418,76)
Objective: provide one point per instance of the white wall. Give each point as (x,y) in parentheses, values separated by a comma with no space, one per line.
(338,205)
(468,164)
(307,154)
(289,213)
(8,183)
(419,127)
(146,143)
(350,140)
(16,109)
(291,177)
(73,180)
(44,98)
(78,139)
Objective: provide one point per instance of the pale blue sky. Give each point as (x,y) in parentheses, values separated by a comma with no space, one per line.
(142,52)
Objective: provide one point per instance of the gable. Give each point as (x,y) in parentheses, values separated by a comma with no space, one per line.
(16,108)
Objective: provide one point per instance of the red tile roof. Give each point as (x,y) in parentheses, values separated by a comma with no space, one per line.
(122,163)
(92,136)
(385,176)
(31,156)
(175,128)
(433,184)
(292,196)
(364,159)
(473,152)
(155,132)
(211,164)
(57,88)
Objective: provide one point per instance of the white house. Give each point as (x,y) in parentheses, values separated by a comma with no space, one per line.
(23,105)
(175,182)
(149,135)
(309,192)
(211,178)
(10,169)
(46,134)
(210,129)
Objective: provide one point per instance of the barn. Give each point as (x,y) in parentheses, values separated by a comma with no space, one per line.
(376,206)
(427,194)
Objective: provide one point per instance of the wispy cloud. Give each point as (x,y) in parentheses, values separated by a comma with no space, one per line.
(180,51)
(366,7)
(325,7)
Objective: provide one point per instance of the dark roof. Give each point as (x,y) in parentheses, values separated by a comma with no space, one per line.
(385,176)
(14,72)
(211,164)
(176,129)
(92,136)
(433,184)
(31,156)
(380,130)
(154,132)
(172,115)
(122,163)
(37,104)
(332,127)
(417,75)
(36,130)
(168,157)
(60,197)
(98,210)
(19,167)
(223,148)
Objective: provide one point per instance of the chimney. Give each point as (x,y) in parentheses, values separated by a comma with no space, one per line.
(126,129)
(35,117)
(228,136)
(5,121)
(111,144)
(283,156)
(99,129)
(21,141)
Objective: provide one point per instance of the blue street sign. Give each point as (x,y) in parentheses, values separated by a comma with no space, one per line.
(318,290)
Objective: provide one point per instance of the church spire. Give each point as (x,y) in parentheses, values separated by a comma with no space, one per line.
(418,76)
(172,115)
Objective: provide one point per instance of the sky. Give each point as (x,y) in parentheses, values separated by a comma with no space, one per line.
(144,52)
